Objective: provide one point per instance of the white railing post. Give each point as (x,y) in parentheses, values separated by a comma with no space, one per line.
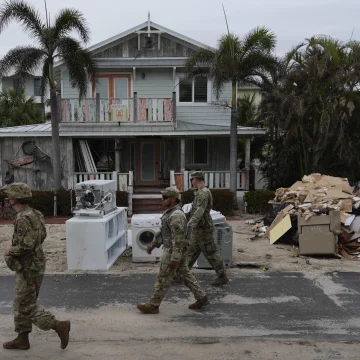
(186,180)
(130,192)
(115,177)
(172,178)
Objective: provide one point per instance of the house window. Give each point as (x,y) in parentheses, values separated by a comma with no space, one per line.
(197,151)
(193,91)
(37,86)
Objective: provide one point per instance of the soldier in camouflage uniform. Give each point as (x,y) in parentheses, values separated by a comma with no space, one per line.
(172,236)
(27,259)
(201,226)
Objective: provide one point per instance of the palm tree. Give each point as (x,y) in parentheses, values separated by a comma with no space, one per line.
(235,61)
(16,110)
(54,43)
(314,106)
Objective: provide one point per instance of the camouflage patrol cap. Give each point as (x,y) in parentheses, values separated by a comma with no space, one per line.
(197,174)
(17,191)
(172,192)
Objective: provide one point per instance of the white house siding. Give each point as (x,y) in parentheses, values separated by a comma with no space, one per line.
(68,92)
(158,83)
(208,114)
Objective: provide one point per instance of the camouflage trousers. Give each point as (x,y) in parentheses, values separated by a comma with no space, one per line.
(202,240)
(26,310)
(165,276)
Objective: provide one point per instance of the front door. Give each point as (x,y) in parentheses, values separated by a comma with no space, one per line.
(147,160)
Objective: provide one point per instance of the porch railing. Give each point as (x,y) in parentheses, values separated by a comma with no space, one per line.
(125,110)
(213,179)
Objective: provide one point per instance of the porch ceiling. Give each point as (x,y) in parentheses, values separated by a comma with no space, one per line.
(127,130)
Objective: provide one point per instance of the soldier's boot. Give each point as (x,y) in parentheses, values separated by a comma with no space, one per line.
(148,308)
(62,328)
(21,342)
(220,280)
(199,303)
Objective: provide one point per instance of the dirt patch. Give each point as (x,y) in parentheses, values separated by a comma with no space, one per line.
(277,257)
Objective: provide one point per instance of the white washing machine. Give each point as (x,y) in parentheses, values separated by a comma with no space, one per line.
(143,229)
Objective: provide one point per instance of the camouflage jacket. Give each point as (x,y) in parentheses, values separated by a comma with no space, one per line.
(172,232)
(199,216)
(26,253)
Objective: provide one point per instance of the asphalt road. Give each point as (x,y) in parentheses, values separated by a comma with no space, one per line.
(267,306)
(288,304)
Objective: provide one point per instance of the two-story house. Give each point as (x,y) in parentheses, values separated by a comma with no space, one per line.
(32,88)
(141,120)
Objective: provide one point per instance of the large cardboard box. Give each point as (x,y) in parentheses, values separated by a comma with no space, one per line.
(317,236)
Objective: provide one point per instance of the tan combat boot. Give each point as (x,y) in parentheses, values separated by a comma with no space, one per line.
(199,303)
(63,329)
(148,308)
(220,280)
(21,342)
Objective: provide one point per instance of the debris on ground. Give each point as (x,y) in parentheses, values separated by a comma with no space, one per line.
(318,214)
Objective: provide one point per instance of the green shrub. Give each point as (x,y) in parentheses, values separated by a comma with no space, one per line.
(122,199)
(257,200)
(223,200)
(66,200)
(43,201)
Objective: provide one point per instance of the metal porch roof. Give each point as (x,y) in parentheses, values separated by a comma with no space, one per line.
(127,130)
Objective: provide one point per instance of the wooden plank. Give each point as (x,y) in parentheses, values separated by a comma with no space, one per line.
(179,181)
(122,179)
(160,110)
(282,227)
(222,180)
(150,110)
(72,110)
(227,180)
(206,178)
(278,218)
(217,180)
(211,180)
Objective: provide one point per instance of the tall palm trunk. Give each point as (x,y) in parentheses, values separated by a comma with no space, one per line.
(55,133)
(233,141)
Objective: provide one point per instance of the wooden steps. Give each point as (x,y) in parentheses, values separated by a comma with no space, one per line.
(147,205)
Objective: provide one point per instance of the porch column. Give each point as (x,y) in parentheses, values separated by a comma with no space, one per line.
(70,163)
(135,107)
(182,155)
(118,149)
(247,163)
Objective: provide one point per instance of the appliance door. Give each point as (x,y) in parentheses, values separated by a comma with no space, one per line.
(145,237)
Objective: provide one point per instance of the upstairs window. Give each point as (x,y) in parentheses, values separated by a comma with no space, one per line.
(37,86)
(193,91)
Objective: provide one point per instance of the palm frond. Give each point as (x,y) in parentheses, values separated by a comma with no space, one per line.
(79,62)
(24,13)
(257,39)
(22,59)
(69,20)
(200,62)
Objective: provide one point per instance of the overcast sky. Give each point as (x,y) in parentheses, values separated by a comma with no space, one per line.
(291,20)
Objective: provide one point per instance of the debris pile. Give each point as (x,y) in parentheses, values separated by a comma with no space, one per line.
(318,213)
(316,194)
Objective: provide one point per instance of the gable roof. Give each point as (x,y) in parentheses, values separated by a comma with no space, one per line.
(138,28)
(142,26)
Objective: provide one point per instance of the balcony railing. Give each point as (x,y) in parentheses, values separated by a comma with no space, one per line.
(130,110)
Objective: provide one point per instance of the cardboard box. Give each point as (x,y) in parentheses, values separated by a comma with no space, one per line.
(316,236)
